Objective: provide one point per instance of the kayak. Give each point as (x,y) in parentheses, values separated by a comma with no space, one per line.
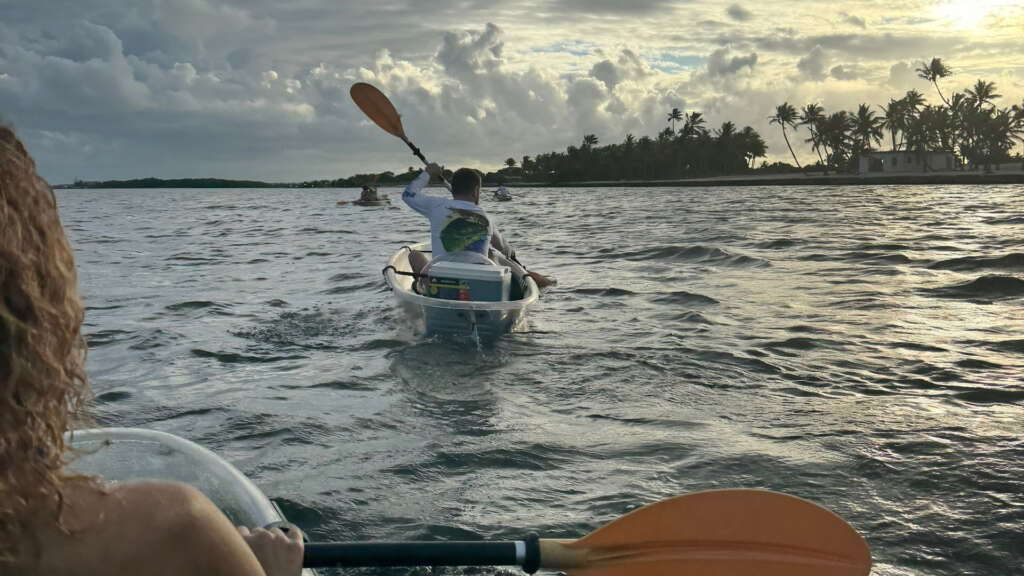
(382,202)
(484,319)
(123,454)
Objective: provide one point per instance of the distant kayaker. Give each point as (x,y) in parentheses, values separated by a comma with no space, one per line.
(459,228)
(54,522)
(369,194)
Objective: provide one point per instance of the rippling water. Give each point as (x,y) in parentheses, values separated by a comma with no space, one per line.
(861,347)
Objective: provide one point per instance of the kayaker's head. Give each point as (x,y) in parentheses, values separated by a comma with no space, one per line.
(466,185)
(42,353)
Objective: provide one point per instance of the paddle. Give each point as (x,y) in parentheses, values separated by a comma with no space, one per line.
(715,533)
(378,108)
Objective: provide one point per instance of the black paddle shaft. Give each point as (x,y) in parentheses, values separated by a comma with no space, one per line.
(466,553)
(416,151)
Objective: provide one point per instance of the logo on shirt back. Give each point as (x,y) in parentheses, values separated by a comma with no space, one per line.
(465,230)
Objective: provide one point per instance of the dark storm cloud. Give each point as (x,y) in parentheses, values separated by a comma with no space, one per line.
(737,12)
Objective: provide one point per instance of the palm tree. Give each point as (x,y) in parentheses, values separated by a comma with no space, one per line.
(892,119)
(835,133)
(983,93)
(693,125)
(510,162)
(913,100)
(589,141)
(785,115)
(812,116)
(932,72)
(674,115)
(866,128)
(751,144)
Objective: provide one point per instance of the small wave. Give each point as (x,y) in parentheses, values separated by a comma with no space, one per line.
(343,276)
(1005,220)
(112,396)
(976,364)
(692,317)
(235,358)
(381,344)
(353,385)
(1016,345)
(604,291)
(867,255)
(104,337)
(693,253)
(991,286)
(188,258)
(776,244)
(992,396)
(882,246)
(683,297)
(799,343)
(350,288)
(1012,261)
(193,305)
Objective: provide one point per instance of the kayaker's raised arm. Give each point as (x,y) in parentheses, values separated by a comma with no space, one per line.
(413,196)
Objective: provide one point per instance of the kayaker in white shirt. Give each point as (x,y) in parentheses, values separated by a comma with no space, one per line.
(459,228)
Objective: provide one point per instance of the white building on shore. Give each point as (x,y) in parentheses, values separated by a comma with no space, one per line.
(904,161)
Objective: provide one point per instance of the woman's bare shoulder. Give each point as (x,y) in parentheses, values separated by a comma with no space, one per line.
(146,528)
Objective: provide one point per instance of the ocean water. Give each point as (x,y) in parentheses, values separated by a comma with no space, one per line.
(861,347)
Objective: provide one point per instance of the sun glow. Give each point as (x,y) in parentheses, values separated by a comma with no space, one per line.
(967,14)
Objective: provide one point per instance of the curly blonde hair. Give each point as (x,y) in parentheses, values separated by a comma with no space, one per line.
(42,353)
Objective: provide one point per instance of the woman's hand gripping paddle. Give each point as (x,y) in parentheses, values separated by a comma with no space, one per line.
(715,533)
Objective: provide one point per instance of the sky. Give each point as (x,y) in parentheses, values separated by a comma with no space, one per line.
(258,89)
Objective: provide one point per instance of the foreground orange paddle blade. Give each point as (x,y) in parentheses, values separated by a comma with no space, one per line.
(376,105)
(717,533)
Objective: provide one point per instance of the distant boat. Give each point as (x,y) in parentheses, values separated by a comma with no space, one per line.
(502,194)
(380,201)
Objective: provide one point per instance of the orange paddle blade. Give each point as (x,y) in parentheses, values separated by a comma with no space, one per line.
(725,533)
(378,108)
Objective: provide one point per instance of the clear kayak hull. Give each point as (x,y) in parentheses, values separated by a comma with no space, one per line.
(126,454)
(486,320)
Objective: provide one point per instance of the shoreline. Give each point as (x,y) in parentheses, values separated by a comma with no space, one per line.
(1015,176)
(817,179)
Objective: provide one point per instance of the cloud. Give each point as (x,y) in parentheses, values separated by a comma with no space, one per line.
(737,12)
(846,72)
(613,6)
(813,64)
(628,67)
(720,64)
(902,76)
(853,20)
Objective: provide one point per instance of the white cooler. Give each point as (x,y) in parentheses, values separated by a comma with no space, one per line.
(469,282)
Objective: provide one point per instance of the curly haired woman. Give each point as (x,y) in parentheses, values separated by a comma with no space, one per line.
(53,522)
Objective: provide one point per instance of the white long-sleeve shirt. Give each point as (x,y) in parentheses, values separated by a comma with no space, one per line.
(455,225)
